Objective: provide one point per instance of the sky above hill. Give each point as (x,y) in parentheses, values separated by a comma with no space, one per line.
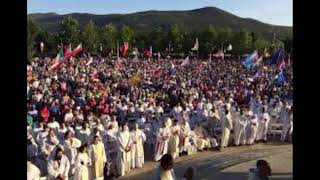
(278,12)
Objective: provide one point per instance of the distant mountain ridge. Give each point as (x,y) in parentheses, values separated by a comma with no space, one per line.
(190,21)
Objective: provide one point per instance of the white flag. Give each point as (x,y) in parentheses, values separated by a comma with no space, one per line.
(229,47)
(185,62)
(90,61)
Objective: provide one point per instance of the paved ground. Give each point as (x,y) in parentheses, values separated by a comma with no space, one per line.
(232,163)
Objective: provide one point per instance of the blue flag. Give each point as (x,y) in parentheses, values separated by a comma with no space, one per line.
(276,57)
(280,77)
(249,61)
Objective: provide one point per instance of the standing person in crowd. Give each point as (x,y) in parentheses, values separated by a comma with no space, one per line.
(162,142)
(70,146)
(82,164)
(252,128)
(174,139)
(98,158)
(111,146)
(185,134)
(226,128)
(84,134)
(137,152)
(263,126)
(240,129)
(287,123)
(124,150)
(58,166)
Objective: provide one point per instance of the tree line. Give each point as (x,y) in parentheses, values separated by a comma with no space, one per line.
(105,38)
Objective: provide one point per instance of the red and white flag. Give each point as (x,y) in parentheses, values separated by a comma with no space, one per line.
(77,50)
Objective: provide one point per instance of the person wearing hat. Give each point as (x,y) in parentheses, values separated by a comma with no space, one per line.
(58,166)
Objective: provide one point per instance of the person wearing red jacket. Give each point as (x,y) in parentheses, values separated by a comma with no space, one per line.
(44,112)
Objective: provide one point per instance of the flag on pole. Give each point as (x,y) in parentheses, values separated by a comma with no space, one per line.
(276,57)
(124,48)
(90,61)
(287,59)
(196,46)
(67,54)
(77,50)
(282,65)
(58,60)
(249,61)
(185,62)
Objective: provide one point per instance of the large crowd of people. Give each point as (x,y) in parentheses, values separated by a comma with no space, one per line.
(97,117)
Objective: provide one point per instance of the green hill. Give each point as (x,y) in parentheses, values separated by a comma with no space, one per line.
(190,21)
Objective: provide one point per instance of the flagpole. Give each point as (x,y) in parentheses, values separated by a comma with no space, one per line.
(118,50)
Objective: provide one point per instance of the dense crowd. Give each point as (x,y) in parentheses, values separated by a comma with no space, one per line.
(96,117)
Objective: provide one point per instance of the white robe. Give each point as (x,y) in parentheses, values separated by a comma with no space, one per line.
(54,169)
(159,174)
(185,137)
(202,138)
(263,127)
(252,130)
(33,172)
(162,143)
(240,131)
(71,151)
(124,159)
(137,152)
(174,141)
(227,126)
(287,126)
(82,170)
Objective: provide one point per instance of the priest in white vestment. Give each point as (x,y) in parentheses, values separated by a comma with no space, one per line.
(58,166)
(137,152)
(124,150)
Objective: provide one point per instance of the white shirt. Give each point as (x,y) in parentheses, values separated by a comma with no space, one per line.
(33,172)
